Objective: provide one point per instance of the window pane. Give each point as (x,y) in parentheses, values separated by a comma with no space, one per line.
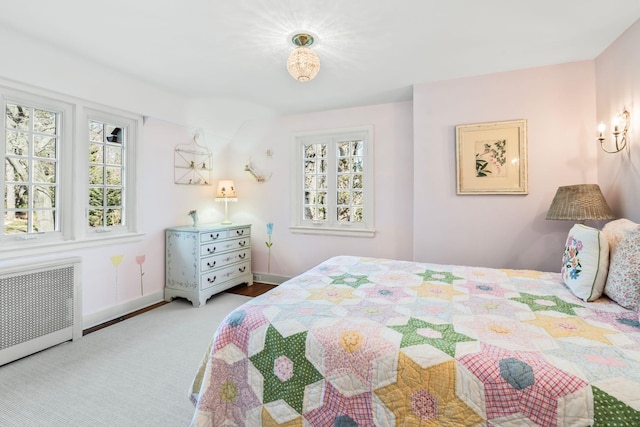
(44,171)
(322,182)
(309,182)
(16,196)
(95,153)
(114,134)
(16,170)
(96,196)
(114,155)
(15,222)
(343,214)
(322,214)
(114,197)
(357,181)
(17,143)
(95,218)
(322,166)
(44,122)
(44,196)
(309,213)
(309,166)
(344,181)
(45,146)
(114,217)
(322,198)
(114,176)
(18,117)
(44,220)
(358,215)
(343,198)
(95,132)
(357,164)
(357,148)
(309,151)
(309,197)
(96,175)
(343,149)
(357,198)
(343,165)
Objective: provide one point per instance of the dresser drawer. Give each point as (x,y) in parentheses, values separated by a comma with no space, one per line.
(212,236)
(218,261)
(240,232)
(208,280)
(226,245)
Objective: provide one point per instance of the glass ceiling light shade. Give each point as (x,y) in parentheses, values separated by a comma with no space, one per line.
(579,203)
(303,64)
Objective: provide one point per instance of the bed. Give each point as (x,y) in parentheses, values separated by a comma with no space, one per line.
(375,342)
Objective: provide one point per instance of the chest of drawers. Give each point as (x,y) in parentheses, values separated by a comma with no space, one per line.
(205,260)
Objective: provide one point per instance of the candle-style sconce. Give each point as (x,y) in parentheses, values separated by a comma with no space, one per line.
(620,129)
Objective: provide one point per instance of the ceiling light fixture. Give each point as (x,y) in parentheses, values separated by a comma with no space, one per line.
(303,64)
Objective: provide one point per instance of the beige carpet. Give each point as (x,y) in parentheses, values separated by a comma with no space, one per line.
(134,373)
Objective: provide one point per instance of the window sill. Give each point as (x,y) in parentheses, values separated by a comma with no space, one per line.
(41,248)
(332,231)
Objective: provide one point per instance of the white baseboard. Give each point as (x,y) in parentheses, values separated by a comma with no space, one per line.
(269,279)
(99,317)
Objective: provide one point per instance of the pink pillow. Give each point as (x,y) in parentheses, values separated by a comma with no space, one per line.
(614,232)
(623,281)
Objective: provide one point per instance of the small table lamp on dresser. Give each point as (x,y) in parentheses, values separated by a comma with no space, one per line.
(226,193)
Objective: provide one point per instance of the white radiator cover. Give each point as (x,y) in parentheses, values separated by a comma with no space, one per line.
(40,306)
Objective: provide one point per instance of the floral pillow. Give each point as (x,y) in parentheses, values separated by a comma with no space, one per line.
(623,283)
(585,262)
(614,232)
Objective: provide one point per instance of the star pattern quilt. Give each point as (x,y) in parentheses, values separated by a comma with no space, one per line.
(375,342)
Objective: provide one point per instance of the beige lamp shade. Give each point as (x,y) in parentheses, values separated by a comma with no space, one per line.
(226,191)
(579,203)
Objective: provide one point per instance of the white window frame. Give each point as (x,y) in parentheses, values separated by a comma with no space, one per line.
(129,173)
(73,168)
(331,226)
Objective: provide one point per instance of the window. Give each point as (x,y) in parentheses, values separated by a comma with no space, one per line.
(41,181)
(333,182)
(107,144)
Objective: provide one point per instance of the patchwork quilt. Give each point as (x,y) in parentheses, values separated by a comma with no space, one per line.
(375,342)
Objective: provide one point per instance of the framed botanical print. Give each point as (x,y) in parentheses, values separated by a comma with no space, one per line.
(491,158)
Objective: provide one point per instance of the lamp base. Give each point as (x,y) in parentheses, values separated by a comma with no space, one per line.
(226,222)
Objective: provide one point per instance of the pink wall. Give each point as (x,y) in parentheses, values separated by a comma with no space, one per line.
(617,87)
(558,103)
(258,204)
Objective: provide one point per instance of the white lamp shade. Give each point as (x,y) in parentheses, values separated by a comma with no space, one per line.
(226,190)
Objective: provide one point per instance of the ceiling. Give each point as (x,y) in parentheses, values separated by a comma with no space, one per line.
(371,51)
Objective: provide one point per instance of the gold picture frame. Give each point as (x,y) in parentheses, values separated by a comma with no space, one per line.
(491,158)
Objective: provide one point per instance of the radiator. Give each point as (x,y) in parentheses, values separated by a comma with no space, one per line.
(40,306)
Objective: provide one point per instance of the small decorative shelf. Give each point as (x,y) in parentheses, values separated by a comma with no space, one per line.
(192,163)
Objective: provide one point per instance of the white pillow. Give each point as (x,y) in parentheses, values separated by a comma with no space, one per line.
(585,262)
(623,283)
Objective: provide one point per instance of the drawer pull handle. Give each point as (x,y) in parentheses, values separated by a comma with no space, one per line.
(242,256)
(211,250)
(214,237)
(241,270)
(243,243)
(210,280)
(240,232)
(211,265)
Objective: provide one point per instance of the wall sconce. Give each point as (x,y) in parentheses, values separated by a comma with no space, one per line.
(622,121)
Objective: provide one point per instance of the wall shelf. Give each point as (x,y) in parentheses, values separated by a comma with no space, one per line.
(192,163)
